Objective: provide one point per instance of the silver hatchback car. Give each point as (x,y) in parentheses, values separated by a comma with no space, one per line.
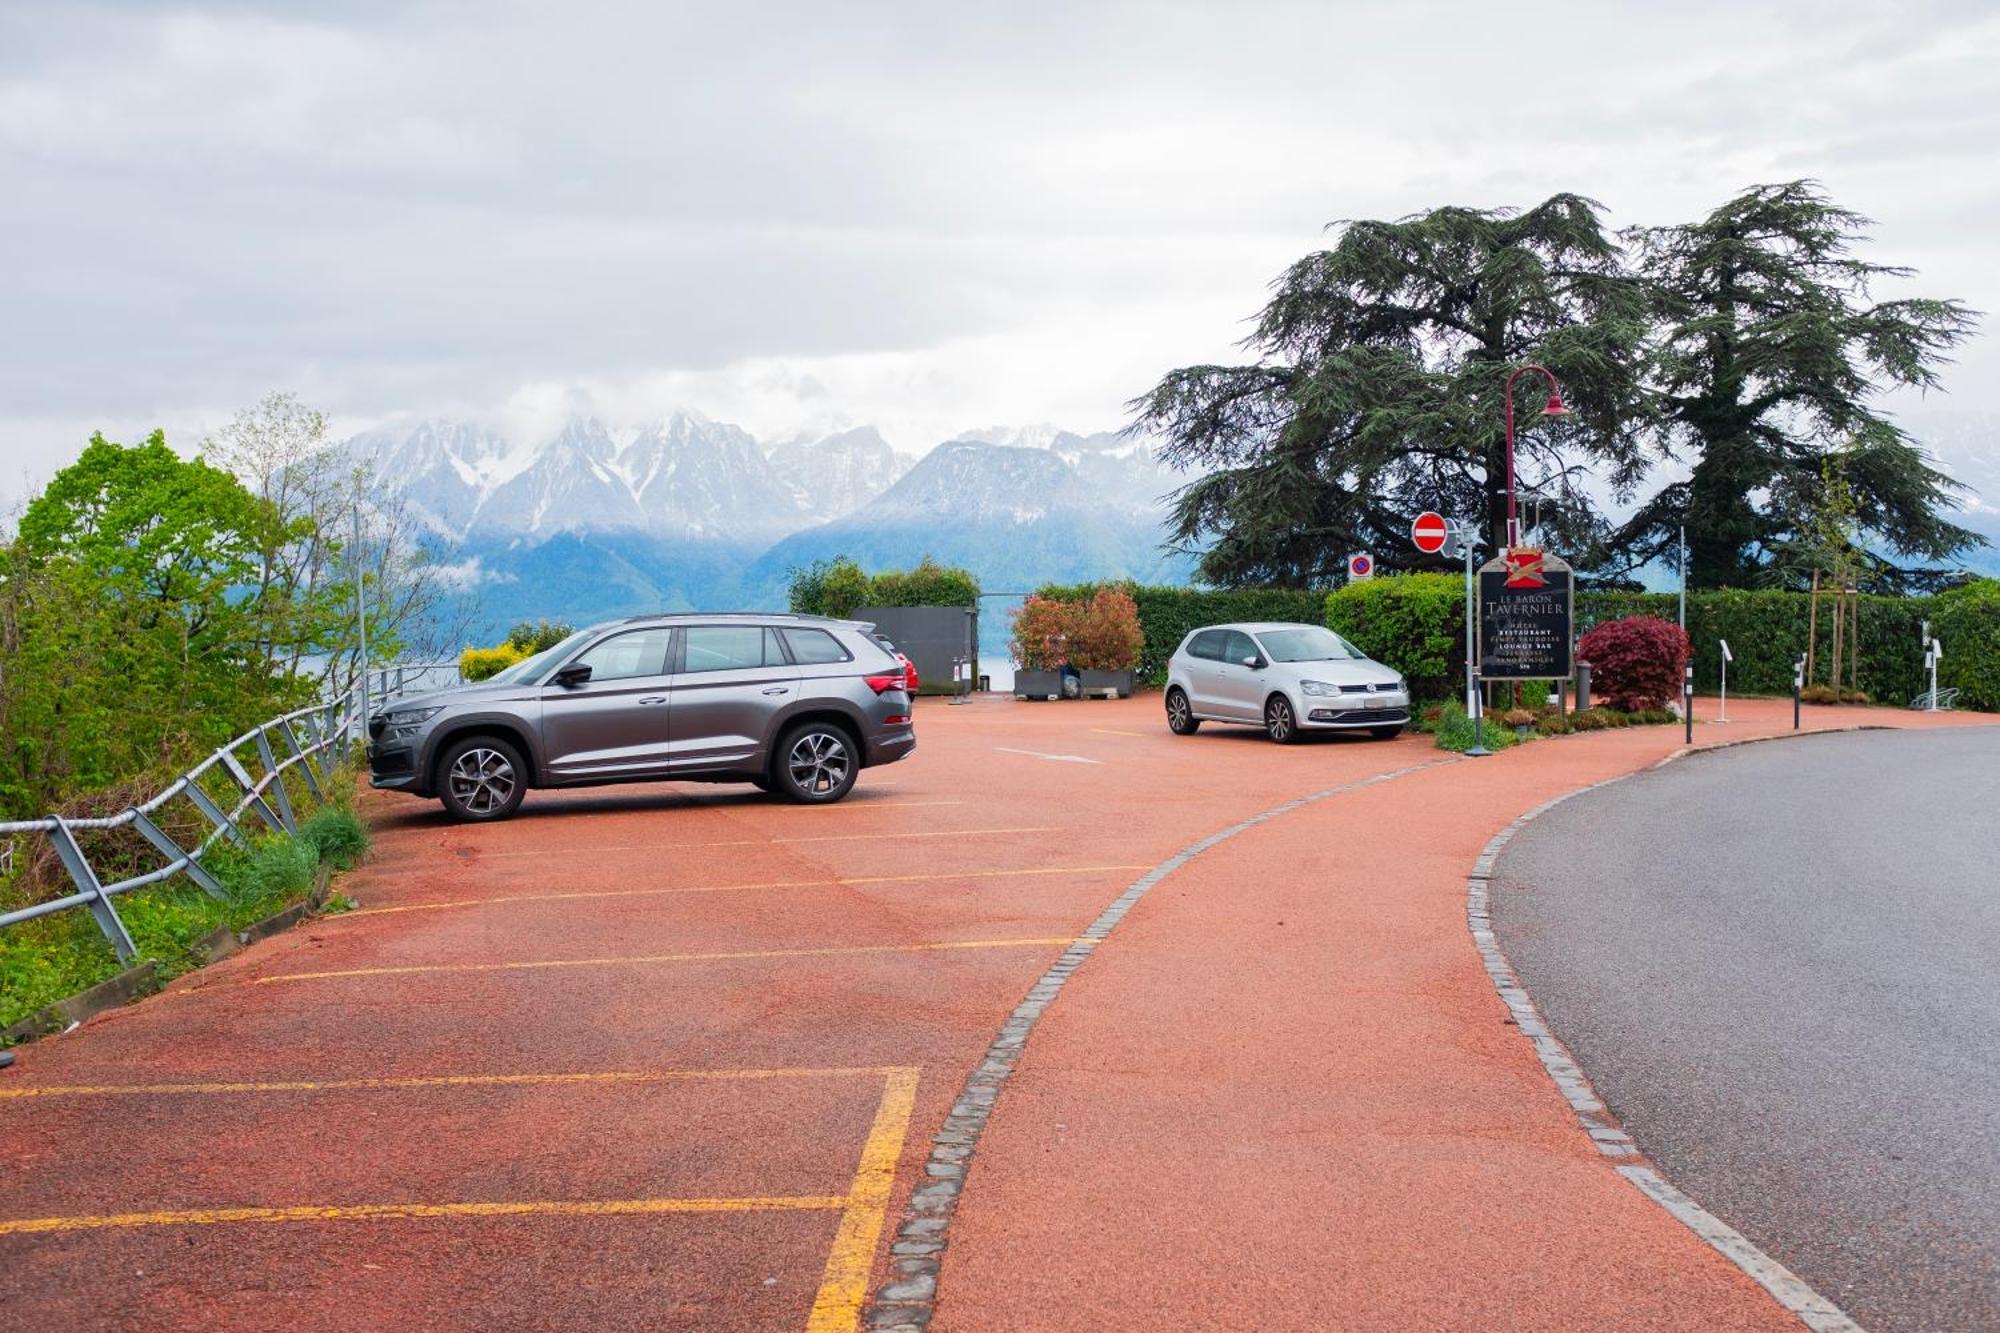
(795,705)
(1288,679)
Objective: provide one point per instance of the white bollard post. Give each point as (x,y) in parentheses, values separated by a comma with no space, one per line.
(1722,709)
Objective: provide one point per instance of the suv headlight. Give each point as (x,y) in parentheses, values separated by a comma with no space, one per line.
(406,722)
(1317,687)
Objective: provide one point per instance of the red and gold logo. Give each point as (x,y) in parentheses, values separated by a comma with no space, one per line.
(1524,568)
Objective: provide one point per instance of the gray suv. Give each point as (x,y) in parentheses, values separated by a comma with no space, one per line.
(796,705)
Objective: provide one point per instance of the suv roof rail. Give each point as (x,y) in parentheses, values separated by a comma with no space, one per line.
(800,616)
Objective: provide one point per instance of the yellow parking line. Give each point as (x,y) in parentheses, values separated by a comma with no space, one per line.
(844,1284)
(660,958)
(619,1076)
(377,1211)
(761,842)
(1112,731)
(731,888)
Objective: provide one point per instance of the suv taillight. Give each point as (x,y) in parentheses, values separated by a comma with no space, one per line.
(883,684)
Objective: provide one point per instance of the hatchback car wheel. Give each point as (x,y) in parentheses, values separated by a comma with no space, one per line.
(816,764)
(1180,713)
(481,778)
(1279,724)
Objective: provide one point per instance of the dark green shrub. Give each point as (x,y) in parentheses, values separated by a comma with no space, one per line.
(929,584)
(1412,622)
(337,836)
(1590,719)
(1553,724)
(1967,621)
(531,637)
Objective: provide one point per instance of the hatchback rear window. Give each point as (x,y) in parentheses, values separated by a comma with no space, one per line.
(815,647)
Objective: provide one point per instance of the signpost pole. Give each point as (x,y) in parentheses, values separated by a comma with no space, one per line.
(1471,670)
(1937,651)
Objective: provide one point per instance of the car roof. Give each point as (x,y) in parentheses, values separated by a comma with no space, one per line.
(1258,626)
(782,617)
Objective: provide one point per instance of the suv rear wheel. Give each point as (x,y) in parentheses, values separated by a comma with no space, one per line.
(481,779)
(816,764)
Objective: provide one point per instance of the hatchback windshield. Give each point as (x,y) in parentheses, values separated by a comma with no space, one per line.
(1307,643)
(529,670)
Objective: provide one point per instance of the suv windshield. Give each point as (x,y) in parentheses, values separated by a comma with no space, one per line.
(530,670)
(1307,643)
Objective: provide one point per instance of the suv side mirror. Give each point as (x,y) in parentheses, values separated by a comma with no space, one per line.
(573,675)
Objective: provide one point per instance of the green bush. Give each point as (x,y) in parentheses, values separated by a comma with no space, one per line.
(839,587)
(531,637)
(277,868)
(337,837)
(1167,614)
(1412,622)
(1967,622)
(1455,730)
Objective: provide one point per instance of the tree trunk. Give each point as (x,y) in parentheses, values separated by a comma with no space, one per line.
(1839,600)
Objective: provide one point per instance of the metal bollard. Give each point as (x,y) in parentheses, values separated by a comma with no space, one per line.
(1582,686)
(1687,702)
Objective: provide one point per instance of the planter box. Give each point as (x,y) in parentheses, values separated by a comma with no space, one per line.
(1108,684)
(1038,684)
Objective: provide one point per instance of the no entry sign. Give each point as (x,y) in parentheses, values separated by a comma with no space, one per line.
(1430,532)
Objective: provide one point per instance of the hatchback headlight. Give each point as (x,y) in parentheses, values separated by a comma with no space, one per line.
(1317,687)
(1402,686)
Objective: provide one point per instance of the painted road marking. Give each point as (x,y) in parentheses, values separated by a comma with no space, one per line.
(379,1211)
(1112,731)
(844,1285)
(1040,754)
(763,842)
(729,888)
(435,1081)
(538,964)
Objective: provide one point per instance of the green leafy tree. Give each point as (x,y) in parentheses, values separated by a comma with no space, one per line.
(1377,392)
(1770,354)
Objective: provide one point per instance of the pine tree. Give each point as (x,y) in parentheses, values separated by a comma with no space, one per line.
(1376,393)
(1769,356)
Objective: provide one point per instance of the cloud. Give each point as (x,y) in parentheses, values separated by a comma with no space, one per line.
(921,217)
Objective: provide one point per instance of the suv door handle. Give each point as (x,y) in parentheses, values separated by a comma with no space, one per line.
(654,699)
(779,689)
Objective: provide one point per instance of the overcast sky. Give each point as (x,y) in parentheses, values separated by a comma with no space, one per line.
(929,217)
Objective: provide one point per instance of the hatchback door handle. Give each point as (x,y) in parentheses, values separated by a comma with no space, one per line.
(654,699)
(779,689)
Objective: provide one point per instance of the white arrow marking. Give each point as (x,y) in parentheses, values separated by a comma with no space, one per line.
(1059,758)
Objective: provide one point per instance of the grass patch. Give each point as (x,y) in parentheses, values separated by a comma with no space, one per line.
(1454,730)
(53,958)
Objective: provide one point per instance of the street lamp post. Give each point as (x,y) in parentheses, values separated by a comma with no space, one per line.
(1554,408)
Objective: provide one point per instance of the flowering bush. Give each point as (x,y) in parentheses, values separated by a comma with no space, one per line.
(1105,635)
(1635,662)
(1043,628)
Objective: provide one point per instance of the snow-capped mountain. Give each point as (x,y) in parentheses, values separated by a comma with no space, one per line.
(599,520)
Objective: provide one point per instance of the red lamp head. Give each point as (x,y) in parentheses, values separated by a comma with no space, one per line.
(1555,407)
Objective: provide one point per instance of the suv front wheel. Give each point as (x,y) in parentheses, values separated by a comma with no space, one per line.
(816,764)
(481,779)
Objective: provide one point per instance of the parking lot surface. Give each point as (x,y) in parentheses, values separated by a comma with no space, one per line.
(674,1056)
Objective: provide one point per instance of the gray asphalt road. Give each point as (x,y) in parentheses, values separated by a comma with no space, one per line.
(1780,965)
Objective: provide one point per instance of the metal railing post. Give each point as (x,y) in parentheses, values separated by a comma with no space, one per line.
(216,814)
(305,760)
(277,781)
(86,882)
(249,786)
(194,870)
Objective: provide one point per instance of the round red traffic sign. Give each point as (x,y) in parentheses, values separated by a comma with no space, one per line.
(1429,532)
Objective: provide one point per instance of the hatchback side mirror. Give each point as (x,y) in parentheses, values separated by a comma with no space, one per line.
(1254,662)
(573,675)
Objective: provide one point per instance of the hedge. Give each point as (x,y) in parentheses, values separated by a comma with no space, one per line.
(1412,622)
(1408,622)
(1166,614)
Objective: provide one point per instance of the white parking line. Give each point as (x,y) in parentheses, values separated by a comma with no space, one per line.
(1038,754)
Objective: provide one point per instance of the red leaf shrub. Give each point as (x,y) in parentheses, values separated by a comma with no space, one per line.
(1635,662)
(1106,635)
(1043,628)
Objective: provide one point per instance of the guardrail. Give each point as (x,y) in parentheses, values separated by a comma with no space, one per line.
(310,742)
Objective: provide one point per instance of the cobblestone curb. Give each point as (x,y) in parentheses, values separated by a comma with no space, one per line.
(907,1298)
(1606,1133)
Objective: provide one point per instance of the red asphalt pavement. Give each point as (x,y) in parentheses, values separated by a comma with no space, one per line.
(645,1056)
